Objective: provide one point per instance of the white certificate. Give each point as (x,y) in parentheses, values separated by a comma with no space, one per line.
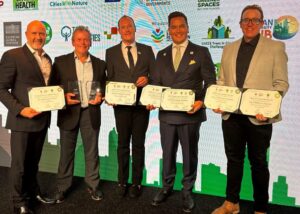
(225,98)
(46,98)
(262,102)
(120,93)
(151,95)
(177,99)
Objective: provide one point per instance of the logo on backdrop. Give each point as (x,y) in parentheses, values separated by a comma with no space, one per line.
(208,4)
(21,5)
(48,32)
(113,31)
(283,28)
(1,3)
(160,32)
(68,4)
(67,31)
(218,30)
(218,35)
(12,34)
(151,3)
(157,35)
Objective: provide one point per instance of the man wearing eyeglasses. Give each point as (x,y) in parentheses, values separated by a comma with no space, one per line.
(258,63)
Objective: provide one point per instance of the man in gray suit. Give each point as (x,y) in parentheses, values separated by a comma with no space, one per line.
(21,69)
(182,65)
(258,63)
(83,114)
(130,62)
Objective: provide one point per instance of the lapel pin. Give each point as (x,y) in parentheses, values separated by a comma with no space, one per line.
(139,53)
(165,54)
(192,52)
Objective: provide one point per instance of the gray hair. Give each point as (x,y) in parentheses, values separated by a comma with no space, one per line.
(81,28)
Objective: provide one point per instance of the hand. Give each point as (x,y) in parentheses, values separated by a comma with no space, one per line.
(150,107)
(110,104)
(97,100)
(195,107)
(261,117)
(29,112)
(69,99)
(141,81)
(218,111)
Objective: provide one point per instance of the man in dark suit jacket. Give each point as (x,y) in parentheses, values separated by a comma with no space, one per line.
(130,62)
(182,65)
(20,69)
(84,114)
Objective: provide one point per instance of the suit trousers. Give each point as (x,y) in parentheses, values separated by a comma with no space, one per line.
(132,123)
(239,132)
(68,139)
(188,136)
(26,150)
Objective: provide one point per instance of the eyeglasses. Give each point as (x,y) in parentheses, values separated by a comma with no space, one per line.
(253,21)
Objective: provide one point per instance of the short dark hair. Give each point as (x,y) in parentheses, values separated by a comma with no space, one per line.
(128,17)
(253,7)
(81,28)
(177,14)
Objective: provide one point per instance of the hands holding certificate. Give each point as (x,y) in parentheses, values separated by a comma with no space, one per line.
(121,93)
(262,104)
(169,99)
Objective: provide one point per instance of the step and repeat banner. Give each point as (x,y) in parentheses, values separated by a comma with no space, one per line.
(212,23)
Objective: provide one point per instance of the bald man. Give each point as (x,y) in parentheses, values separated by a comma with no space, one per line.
(20,69)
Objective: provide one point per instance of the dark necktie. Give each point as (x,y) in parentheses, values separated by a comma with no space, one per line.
(130,58)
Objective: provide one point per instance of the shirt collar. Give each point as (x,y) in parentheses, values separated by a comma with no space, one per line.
(34,51)
(253,42)
(88,59)
(184,44)
(133,45)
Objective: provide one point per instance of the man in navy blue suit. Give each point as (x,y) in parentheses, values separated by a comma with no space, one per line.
(182,65)
(131,62)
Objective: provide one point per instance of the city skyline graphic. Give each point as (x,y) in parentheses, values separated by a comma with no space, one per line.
(213,181)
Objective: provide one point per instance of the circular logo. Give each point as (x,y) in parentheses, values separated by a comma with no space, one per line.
(285,27)
(48,32)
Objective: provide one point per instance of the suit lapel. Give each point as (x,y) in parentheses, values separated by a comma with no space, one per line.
(235,51)
(255,57)
(119,55)
(95,68)
(34,63)
(186,58)
(72,67)
(139,57)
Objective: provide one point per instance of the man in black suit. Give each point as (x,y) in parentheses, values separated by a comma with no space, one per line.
(182,65)
(20,69)
(130,62)
(83,114)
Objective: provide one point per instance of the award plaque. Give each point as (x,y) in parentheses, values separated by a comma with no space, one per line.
(93,88)
(120,93)
(46,98)
(262,102)
(151,95)
(224,98)
(74,87)
(177,99)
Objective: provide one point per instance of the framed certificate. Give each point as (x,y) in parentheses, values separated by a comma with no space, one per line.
(177,99)
(120,93)
(262,102)
(46,98)
(224,98)
(151,95)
